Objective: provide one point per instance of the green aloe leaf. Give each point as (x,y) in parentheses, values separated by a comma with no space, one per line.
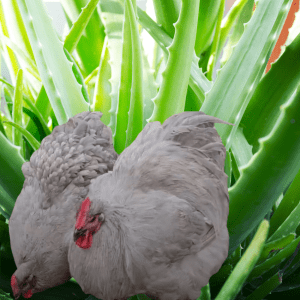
(11,161)
(2,127)
(8,55)
(79,26)
(124,94)
(136,109)
(65,95)
(276,245)
(38,124)
(43,104)
(15,26)
(78,76)
(171,97)
(238,79)
(288,205)
(241,149)
(17,109)
(275,88)
(266,175)
(102,100)
(33,142)
(7,203)
(42,109)
(241,17)
(205,293)
(215,44)
(208,13)
(240,273)
(4,296)
(112,18)
(90,45)
(228,168)
(274,261)
(29,62)
(289,225)
(150,88)
(167,12)
(3,212)
(197,81)
(266,288)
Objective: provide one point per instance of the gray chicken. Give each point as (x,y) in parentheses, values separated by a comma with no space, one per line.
(56,181)
(157,223)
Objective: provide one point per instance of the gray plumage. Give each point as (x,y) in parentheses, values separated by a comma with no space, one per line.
(56,181)
(165,206)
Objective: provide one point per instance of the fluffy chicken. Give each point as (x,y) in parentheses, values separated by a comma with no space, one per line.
(157,223)
(56,181)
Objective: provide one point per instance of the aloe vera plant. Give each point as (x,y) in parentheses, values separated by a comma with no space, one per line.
(101,64)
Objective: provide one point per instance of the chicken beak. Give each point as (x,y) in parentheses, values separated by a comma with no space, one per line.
(78,233)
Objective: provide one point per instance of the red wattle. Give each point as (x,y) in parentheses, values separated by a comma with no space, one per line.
(28,294)
(85,242)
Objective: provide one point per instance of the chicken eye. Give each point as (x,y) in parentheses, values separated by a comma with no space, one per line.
(93,219)
(101,217)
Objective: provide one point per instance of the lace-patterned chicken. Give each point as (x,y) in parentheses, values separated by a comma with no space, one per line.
(157,223)
(57,179)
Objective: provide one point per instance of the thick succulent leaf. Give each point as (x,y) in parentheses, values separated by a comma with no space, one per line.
(6,203)
(136,109)
(8,55)
(38,124)
(289,205)
(17,109)
(78,76)
(91,42)
(274,261)
(33,142)
(39,109)
(241,271)
(112,17)
(28,61)
(208,12)
(167,12)
(124,93)
(266,175)
(11,161)
(275,88)
(241,149)
(101,98)
(197,81)
(266,288)
(238,79)
(289,225)
(38,115)
(1,125)
(5,296)
(171,97)
(214,47)
(75,33)
(56,71)
(16,28)
(276,245)
(205,293)
(150,88)
(228,167)
(243,16)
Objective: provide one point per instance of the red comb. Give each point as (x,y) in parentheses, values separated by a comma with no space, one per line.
(82,213)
